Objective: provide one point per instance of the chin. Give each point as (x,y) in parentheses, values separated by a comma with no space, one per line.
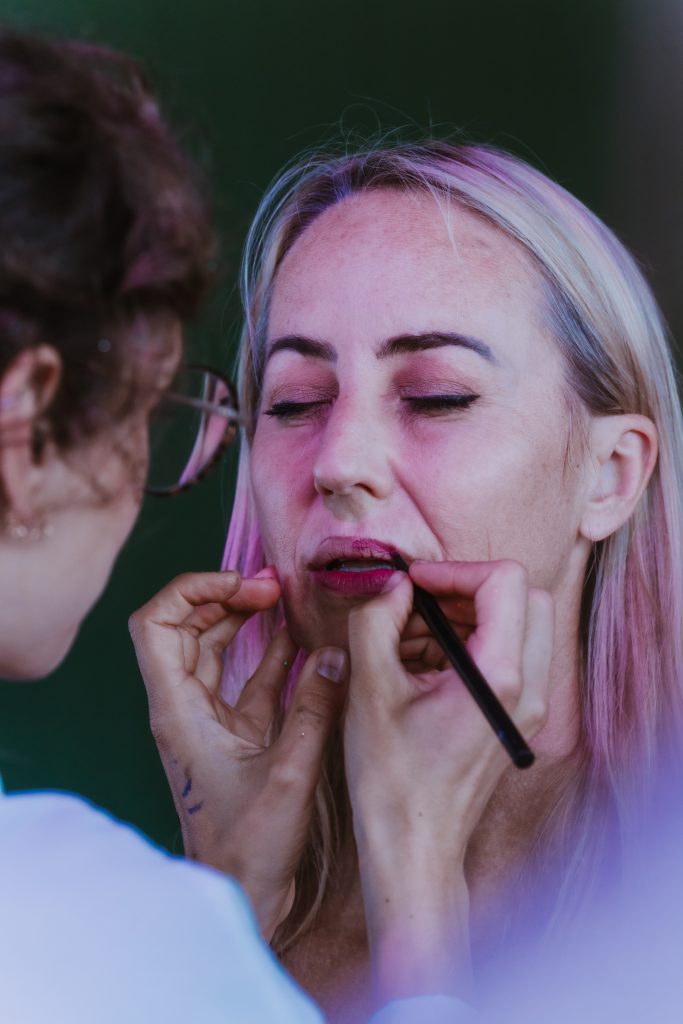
(317,630)
(39,663)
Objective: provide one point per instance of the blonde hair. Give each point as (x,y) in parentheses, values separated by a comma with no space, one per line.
(609,330)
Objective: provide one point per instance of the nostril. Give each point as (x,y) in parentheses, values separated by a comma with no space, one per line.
(358,469)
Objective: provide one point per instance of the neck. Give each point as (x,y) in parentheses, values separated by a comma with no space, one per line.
(500,846)
(20,637)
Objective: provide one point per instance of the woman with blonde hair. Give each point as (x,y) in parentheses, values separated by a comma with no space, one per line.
(445,355)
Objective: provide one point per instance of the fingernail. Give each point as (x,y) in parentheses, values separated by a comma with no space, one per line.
(229,575)
(269,572)
(393,581)
(332,664)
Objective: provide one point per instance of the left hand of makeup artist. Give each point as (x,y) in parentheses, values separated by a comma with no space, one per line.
(422,761)
(243,788)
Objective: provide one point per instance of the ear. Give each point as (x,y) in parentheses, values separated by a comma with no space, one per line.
(26,389)
(624,453)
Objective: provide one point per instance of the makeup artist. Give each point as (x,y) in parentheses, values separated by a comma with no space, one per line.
(105,249)
(444,355)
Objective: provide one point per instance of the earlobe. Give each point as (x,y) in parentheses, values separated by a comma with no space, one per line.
(26,389)
(624,454)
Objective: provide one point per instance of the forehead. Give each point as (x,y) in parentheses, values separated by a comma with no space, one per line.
(391,260)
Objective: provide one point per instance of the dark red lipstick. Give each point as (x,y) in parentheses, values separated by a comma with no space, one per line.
(353,566)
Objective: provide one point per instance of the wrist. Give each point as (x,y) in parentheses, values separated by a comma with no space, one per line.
(411,856)
(418,930)
(422,950)
(270,908)
(270,899)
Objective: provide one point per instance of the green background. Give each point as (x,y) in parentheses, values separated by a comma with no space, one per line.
(248,85)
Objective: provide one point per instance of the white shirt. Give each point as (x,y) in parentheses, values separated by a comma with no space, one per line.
(98,926)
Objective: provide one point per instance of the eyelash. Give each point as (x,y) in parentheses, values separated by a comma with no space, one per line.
(439,403)
(287,410)
(428,404)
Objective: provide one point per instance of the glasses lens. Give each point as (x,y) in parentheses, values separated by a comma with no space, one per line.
(195,419)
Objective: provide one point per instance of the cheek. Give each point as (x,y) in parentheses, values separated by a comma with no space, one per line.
(497,494)
(282,484)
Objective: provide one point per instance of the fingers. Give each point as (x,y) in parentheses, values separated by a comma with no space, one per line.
(215,625)
(459,612)
(498,641)
(449,579)
(194,608)
(500,593)
(260,696)
(315,708)
(375,630)
(193,591)
(422,654)
(177,599)
(417,630)
(251,595)
(513,639)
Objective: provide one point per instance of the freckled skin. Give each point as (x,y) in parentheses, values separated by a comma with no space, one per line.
(485,482)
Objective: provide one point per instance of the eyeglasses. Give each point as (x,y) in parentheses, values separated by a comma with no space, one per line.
(190,429)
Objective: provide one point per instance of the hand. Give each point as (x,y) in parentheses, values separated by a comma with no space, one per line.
(244,796)
(422,761)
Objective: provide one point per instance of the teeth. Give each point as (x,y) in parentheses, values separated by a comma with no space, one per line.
(359,564)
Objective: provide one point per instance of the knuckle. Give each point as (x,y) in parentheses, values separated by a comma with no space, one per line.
(314,710)
(508,679)
(287,775)
(536,713)
(542,600)
(137,621)
(511,572)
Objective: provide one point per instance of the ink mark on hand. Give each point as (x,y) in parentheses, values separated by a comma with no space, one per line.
(188,787)
(195,807)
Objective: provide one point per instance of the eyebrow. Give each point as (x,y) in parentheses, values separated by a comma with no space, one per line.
(304,346)
(402,343)
(434,339)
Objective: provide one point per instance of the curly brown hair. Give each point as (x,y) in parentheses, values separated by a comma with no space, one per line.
(103,222)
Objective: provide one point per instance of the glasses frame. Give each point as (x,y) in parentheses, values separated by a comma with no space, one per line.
(231,415)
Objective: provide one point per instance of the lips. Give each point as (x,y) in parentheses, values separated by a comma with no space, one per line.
(352,566)
(353,550)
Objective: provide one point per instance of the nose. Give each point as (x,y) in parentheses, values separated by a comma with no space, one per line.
(353,461)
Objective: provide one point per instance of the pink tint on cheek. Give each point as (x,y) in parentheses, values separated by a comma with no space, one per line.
(282,482)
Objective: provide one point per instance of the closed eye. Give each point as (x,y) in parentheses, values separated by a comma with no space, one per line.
(439,403)
(427,404)
(290,410)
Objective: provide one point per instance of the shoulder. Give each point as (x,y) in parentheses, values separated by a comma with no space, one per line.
(61,841)
(108,916)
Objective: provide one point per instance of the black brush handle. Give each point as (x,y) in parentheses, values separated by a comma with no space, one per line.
(459,657)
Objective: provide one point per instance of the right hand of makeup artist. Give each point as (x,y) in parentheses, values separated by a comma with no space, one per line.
(243,793)
(422,762)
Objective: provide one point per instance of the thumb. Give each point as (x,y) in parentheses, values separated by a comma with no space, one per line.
(376,626)
(313,712)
